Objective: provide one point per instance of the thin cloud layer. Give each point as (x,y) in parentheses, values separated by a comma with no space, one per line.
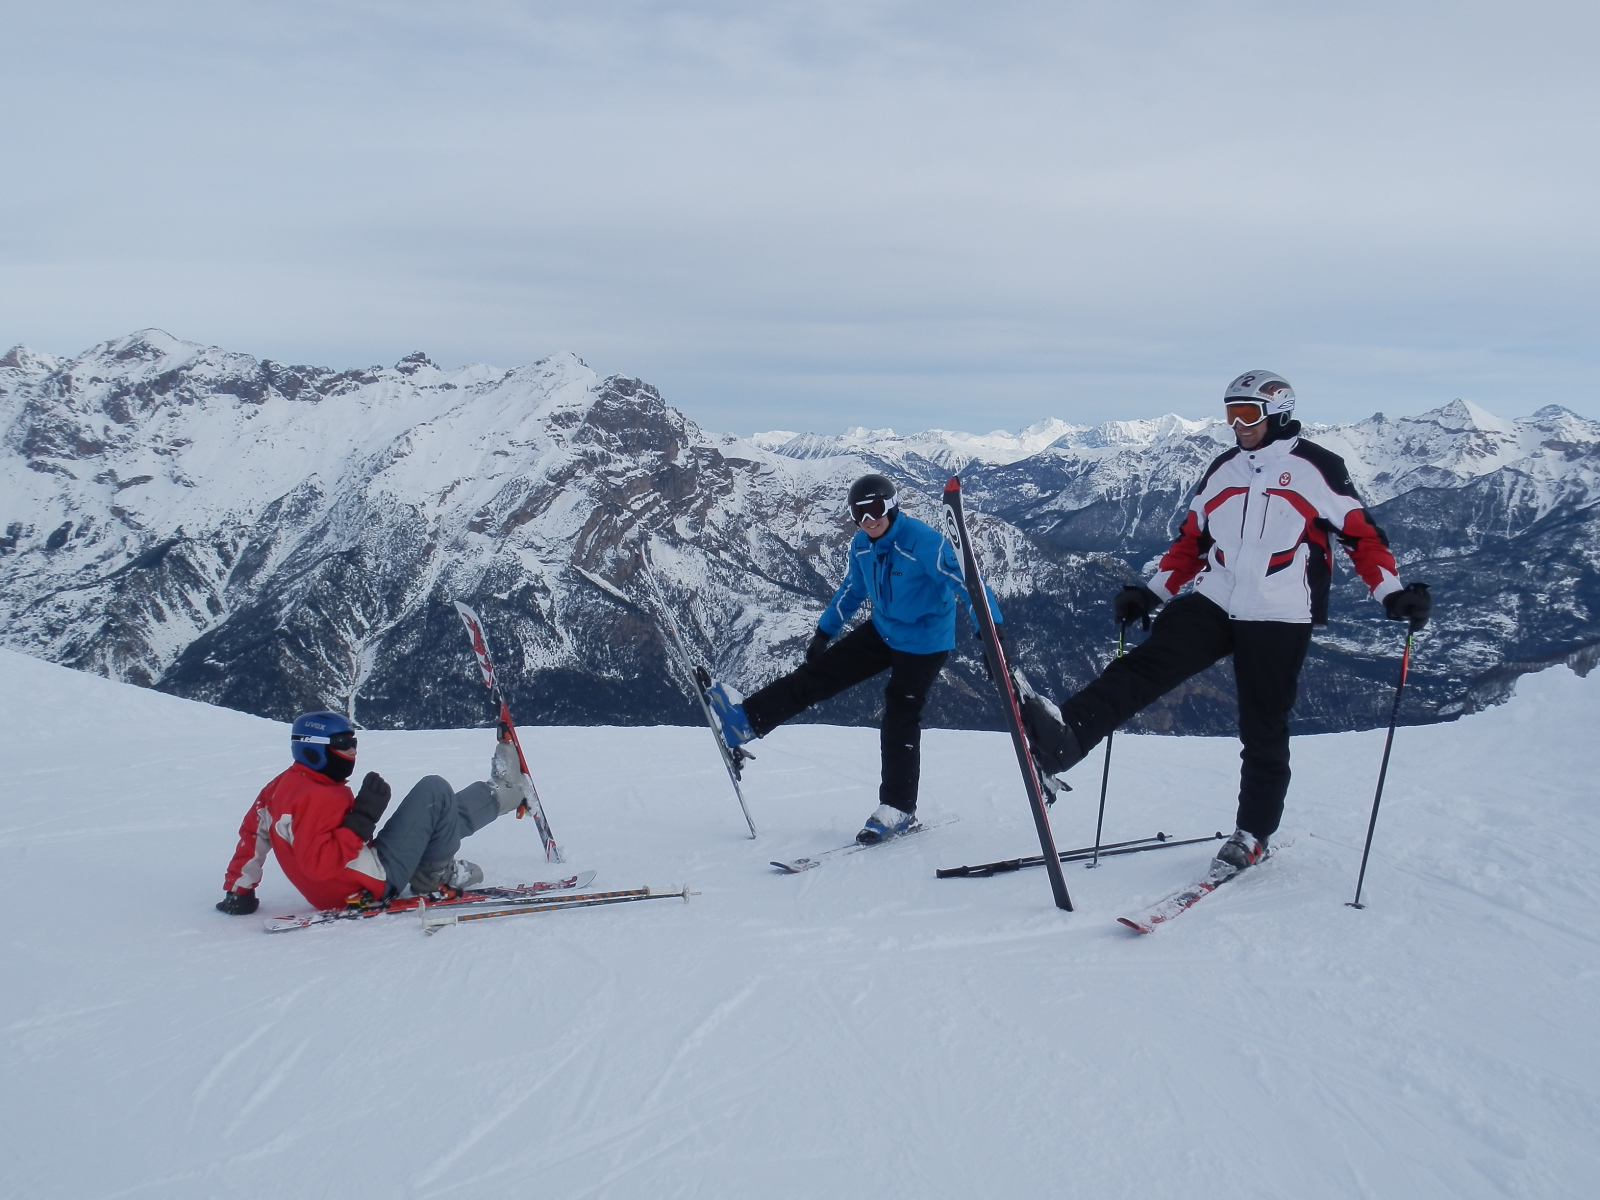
(813,215)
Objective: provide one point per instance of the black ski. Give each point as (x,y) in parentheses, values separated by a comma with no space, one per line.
(955,528)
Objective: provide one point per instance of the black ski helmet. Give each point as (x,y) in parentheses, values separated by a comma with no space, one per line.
(1268,389)
(325,742)
(871,496)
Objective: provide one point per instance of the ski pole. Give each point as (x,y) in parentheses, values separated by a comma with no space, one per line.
(1161,841)
(1383,769)
(431,924)
(1105,771)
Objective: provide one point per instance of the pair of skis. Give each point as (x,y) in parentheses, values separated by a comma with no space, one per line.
(521,893)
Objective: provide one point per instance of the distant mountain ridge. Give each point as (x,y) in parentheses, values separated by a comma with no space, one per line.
(275,538)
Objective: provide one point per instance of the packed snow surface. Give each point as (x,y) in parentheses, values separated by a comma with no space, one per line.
(863,1030)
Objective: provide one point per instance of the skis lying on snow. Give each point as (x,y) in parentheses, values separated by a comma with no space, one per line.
(796,865)
(433,919)
(518,894)
(1161,841)
(508,732)
(955,529)
(1185,898)
(700,679)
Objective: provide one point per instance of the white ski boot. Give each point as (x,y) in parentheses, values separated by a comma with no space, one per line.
(885,823)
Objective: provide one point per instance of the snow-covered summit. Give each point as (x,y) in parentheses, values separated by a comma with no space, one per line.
(276,537)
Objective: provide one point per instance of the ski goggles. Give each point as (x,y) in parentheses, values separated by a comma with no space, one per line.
(1246,412)
(342,744)
(873,508)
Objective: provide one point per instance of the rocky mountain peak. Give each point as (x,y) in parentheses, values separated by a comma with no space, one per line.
(278,538)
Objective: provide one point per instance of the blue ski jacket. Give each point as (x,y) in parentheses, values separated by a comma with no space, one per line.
(912,576)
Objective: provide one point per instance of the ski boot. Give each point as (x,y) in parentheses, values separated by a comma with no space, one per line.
(1053,742)
(445,880)
(1240,851)
(727,707)
(505,777)
(885,823)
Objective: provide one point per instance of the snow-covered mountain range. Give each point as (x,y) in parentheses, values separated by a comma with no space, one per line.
(275,538)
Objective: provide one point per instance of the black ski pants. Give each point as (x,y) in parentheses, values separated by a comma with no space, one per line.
(1189,635)
(853,659)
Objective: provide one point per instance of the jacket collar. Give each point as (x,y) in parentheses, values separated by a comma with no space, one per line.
(1273,449)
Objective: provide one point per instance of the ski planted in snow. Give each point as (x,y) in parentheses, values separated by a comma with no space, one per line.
(508,731)
(1185,898)
(433,920)
(955,528)
(700,679)
(1161,841)
(518,894)
(795,865)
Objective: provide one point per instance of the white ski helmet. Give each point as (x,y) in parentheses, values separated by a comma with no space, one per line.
(1268,389)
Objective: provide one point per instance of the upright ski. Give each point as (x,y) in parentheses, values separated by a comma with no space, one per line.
(508,732)
(955,528)
(700,679)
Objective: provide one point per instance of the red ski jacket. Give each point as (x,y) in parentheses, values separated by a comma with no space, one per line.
(300,815)
(1257,534)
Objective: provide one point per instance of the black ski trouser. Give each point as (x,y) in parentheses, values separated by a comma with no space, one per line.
(1191,633)
(853,659)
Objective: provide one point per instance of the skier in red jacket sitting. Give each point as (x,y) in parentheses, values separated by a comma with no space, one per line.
(324,836)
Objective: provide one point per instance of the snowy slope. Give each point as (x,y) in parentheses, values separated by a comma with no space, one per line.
(864,1030)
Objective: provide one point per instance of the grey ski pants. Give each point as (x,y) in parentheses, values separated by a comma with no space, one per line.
(427,828)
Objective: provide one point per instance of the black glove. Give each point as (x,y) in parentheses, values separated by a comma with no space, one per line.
(1411,603)
(371,800)
(239,904)
(1135,602)
(983,650)
(819,643)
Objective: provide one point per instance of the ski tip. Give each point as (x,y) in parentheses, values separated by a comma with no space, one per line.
(795,867)
(1134,925)
(954,485)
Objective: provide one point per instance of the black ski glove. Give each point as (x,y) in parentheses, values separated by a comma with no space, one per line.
(983,650)
(1135,602)
(819,643)
(239,904)
(371,800)
(1411,603)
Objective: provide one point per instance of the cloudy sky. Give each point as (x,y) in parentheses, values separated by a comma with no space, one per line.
(813,214)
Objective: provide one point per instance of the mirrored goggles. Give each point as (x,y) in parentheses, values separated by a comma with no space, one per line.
(1246,412)
(873,508)
(342,744)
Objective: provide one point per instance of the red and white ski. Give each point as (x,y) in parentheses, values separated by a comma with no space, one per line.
(508,732)
(1185,898)
(480,896)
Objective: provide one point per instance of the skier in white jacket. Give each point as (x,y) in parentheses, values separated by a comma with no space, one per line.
(1256,539)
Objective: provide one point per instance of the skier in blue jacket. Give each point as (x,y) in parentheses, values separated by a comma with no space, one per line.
(910,573)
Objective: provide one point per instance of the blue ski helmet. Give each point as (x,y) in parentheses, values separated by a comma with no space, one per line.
(314,734)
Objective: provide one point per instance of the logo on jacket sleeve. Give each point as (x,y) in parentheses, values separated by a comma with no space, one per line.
(1283,480)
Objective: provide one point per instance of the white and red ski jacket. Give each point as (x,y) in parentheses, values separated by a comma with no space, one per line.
(300,815)
(1257,531)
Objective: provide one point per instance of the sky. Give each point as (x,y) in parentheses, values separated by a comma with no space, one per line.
(818,214)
